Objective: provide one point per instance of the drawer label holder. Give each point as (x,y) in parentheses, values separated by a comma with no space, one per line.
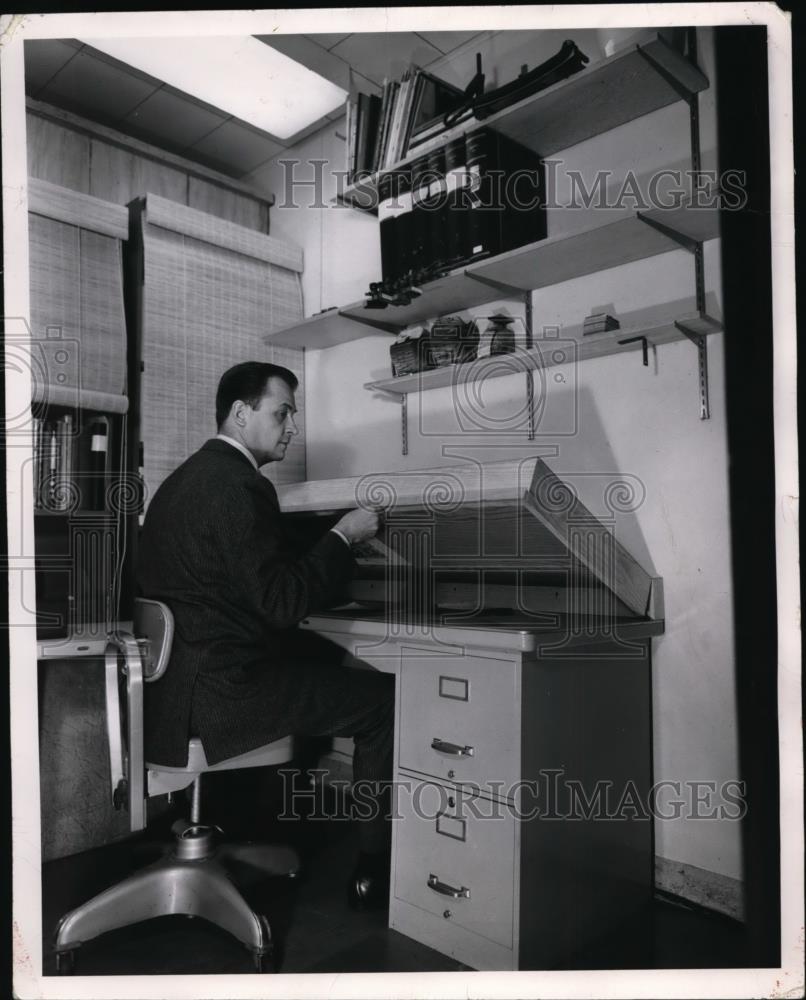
(451,826)
(455,688)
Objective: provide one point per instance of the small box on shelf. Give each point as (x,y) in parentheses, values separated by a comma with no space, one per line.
(599,323)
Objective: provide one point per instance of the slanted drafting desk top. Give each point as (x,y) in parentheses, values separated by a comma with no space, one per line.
(519,629)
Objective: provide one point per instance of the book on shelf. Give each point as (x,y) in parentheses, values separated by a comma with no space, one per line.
(433,99)
(381,129)
(599,323)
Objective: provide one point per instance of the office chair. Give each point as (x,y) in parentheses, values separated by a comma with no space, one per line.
(193,878)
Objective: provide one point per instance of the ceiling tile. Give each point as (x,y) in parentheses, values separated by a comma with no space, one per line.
(301,49)
(447,41)
(95,87)
(168,115)
(235,148)
(327,41)
(386,53)
(45,57)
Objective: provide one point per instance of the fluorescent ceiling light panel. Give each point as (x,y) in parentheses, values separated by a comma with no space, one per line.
(239,75)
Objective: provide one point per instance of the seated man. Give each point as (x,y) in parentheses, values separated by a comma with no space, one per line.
(215,550)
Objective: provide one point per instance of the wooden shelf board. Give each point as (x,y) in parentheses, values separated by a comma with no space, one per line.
(324,330)
(546,354)
(701,224)
(537,265)
(571,255)
(607,94)
(453,293)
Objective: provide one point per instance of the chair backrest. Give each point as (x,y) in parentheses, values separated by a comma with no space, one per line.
(154,622)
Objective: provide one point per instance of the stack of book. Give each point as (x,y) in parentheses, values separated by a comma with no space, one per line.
(382,130)
(599,323)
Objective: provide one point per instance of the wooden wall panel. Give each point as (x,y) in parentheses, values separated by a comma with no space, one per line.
(57,154)
(118,175)
(215,200)
(81,155)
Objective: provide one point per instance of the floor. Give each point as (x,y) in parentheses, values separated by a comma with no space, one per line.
(315,930)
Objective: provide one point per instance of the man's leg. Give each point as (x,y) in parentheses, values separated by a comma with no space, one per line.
(360,704)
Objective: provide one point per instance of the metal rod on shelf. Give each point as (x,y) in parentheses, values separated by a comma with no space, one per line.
(404,424)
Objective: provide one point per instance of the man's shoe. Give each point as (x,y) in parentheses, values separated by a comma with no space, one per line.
(368,888)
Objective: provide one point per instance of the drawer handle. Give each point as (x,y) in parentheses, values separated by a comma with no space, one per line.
(447,890)
(452,748)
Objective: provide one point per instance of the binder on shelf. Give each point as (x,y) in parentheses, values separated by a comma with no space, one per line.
(455,219)
(504,198)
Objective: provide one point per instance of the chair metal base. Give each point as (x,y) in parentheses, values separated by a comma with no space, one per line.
(192,880)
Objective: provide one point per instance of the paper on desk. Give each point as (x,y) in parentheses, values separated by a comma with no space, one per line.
(374,552)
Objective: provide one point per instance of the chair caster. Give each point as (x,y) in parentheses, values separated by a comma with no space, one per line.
(66,962)
(264,962)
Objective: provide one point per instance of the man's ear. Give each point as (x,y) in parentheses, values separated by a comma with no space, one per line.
(238,412)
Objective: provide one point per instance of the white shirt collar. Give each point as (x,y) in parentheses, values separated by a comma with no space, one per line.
(239,446)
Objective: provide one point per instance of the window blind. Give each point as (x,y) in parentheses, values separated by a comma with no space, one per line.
(78,325)
(210,289)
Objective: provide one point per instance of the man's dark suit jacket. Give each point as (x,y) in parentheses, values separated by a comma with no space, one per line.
(214,549)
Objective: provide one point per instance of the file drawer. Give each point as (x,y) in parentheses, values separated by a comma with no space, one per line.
(457,863)
(460,719)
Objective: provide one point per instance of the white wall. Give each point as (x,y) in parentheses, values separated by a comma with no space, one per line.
(610,416)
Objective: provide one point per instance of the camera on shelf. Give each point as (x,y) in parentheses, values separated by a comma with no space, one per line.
(400,291)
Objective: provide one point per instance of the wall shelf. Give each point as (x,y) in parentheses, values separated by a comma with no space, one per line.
(607,94)
(559,258)
(547,354)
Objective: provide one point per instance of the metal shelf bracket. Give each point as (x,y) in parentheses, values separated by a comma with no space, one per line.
(644,347)
(682,240)
(530,380)
(403,399)
(701,343)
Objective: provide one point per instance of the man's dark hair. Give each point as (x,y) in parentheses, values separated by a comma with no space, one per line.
(247,381)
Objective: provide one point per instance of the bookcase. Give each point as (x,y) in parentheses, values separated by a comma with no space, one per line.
(83,474)
(626,86)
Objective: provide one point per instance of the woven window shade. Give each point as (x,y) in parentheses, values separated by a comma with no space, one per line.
(210,290)
(78,323)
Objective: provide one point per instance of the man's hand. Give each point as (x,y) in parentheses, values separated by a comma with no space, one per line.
(358,525)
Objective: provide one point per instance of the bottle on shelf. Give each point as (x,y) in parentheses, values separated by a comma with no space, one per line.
(98,462)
